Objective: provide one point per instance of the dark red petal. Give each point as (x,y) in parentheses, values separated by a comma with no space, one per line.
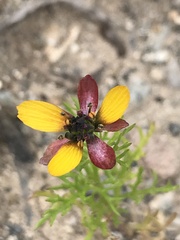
(116,126)
(88,93)
(101,154)
(52,150)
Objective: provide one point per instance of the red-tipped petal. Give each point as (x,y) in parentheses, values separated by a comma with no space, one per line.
(101,154)
(116,126)
(88,94)
(52,150)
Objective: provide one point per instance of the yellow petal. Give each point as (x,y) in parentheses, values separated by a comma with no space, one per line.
(65,160)
(114,105)
(42,116)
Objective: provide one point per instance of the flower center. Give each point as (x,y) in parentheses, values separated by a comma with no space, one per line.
(80,128)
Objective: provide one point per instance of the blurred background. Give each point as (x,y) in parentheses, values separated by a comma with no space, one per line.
(46,46)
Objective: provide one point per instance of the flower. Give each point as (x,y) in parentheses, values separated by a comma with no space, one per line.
(65,153)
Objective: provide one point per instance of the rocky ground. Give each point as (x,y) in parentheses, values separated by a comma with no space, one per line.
(46,46)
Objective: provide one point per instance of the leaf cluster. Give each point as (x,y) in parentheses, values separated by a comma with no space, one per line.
(100,194)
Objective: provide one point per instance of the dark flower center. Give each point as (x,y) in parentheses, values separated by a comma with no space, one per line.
(80,128)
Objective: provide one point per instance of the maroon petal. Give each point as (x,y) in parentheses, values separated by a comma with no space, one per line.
(52,150)
(116,126)
(88,94)
(101,154)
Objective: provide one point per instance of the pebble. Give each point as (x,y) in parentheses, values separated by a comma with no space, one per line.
(177,237)
(173,73)
(1,84)
(12,237)
(161,156)
(157,74)
(156,57)
(17,74)
(139,88)
(174,16)
(7,99)
(174,129)
(163,201)
(115,235)
(176,3)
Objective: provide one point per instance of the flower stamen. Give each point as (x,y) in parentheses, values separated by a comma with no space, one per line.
(91,114)
(80,128)
(80,143)
(67,122)
(100,127)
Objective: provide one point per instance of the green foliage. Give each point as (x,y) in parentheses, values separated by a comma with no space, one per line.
(100,194)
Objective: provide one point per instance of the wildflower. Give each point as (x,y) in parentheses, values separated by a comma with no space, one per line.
(64,154)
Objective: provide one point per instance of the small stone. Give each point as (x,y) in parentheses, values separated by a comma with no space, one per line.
(157,74)
(15,229)
(176,3)
(17,74)
(174,16)
(156,57)
(139,88)
(174,129)
(162,201)
(161,156)
(159,99)
(1,84)
(12,237)
(173,73)
(177,237)
(115,235)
